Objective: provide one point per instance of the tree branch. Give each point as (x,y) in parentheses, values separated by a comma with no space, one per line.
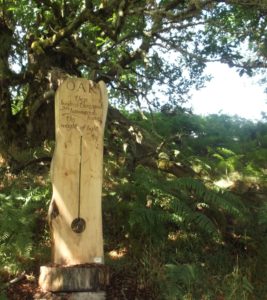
(174,46)
(53,5)
(258,4)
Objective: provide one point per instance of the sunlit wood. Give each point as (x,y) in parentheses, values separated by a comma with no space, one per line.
(76,172)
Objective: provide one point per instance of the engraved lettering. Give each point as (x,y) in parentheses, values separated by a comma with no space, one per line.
(70,85)
(81,87)
(81,108)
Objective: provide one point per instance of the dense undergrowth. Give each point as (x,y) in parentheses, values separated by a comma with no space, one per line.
(184,208)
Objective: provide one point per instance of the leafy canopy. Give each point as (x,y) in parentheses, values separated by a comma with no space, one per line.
(141,49)
(132,45)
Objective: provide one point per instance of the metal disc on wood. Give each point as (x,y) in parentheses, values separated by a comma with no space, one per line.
(78,225)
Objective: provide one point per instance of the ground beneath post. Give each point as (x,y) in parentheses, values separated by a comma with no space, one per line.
(29,290)
(23,290)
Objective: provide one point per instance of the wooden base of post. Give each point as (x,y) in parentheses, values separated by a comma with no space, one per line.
(70,296)
(88,281)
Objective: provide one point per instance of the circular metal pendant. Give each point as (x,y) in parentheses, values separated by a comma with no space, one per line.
(78,225)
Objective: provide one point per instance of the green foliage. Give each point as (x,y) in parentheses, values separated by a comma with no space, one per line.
(262,216)
(237,285)
(155,201)
(23,241)
(199,226)
(179,231)
(175,237)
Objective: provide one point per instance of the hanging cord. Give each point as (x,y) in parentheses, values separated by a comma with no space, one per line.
(80,176)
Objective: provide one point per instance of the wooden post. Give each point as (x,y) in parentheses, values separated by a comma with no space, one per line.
(75,213)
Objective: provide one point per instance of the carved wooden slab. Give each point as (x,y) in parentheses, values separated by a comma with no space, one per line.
(75,212)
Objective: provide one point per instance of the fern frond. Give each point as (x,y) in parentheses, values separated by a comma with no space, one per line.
(18,221)
(180,277)
(148,221)
(205,224)
(185,216)
(184,274)
(224,201)
(192,184)
(180,208)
